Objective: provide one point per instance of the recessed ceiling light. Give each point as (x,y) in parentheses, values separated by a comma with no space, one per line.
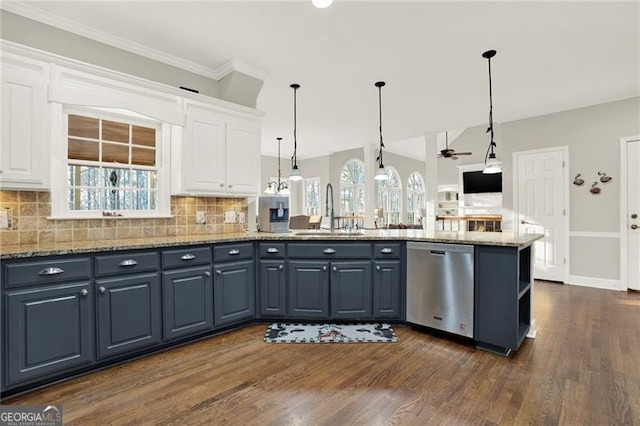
(322,4)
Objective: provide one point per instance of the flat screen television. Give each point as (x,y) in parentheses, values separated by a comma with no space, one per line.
(478,182)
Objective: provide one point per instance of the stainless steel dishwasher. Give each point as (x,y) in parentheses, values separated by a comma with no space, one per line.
(440,286)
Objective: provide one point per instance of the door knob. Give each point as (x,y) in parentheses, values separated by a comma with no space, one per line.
(634,226)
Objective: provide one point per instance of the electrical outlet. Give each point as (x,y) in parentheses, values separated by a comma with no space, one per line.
(242,217)
(230,217)
(201,218)
(5,218)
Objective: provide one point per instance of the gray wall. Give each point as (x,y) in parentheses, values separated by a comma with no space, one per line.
(236,87)
(592,135)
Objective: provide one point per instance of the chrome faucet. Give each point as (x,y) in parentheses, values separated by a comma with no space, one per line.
(326,201)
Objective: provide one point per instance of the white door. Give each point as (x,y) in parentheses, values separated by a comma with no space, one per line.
(632,216)
(540,203)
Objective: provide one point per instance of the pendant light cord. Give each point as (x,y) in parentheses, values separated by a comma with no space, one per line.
(379,86)
(490,153)
(294,159)
(279,171)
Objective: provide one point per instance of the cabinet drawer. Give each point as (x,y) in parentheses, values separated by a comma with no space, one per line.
(222,253)
(186,257)
(126,263)
(47,271)
(387,251)
(329,250)
(271,250)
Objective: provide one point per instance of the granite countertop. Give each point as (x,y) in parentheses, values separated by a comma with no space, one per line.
(506,239)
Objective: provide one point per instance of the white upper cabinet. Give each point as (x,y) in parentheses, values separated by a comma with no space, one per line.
(26,126)
(218,153)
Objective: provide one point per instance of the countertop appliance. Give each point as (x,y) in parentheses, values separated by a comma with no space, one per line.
(273,213)
(440,286)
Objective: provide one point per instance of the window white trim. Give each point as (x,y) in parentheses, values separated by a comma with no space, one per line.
(356,188)
(305,195)
(411,194)
(59,208)
(390,190)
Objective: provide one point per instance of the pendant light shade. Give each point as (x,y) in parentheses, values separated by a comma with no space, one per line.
(295,172)
(381,172)
(322,4)
(491,163)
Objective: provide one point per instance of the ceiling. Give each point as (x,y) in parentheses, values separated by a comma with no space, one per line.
(552,56)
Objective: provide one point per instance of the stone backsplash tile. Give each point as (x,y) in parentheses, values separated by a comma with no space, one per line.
(30,223)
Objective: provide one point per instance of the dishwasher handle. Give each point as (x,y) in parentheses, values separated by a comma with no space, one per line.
(437,253)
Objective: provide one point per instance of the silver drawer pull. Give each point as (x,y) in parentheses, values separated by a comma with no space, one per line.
(386,250)
(187,256)
(51,271)
(329,251)
(128,262)
(234,252)
(272,250)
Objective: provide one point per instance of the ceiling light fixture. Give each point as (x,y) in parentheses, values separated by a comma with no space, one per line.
(278,187)
(295,173)
(381,173)
(322,4)
(491,163)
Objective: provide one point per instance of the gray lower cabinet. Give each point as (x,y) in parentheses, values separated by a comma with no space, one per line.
(387,288)
(187,301)
(272,288)
(308,289)
(49,330)
(351,289)
(233,292)
(129,313)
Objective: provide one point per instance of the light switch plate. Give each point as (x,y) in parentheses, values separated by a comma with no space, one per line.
(5,218)
(230,217)
(201,218)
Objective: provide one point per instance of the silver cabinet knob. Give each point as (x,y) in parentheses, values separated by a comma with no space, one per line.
(377,267)
(207,274)
(324,268)
(335,269)
(281,267)
(218,272)
(84,292)
(634,226)
(101,289)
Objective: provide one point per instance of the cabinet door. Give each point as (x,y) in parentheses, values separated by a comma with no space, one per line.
(308,284)
(243,158)
(187,301)
(48,330)
(351,289)
(204,154)
(25,125)
(272,288)
(233,292)
(128,313)
(387,285)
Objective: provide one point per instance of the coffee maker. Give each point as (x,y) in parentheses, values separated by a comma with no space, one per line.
(273,213)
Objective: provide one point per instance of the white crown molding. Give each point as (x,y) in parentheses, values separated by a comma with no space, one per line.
(36,14)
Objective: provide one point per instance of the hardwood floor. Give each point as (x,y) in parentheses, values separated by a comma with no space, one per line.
(582,368)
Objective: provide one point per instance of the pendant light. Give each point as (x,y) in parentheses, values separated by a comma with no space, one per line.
(278,187)
(491,163)
(295,173)
(381,172)
(322,4)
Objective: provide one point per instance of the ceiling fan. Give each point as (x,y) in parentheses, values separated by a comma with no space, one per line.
(450,153)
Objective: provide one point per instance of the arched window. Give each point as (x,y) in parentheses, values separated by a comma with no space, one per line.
(352,189)
(390,197)
(415,197)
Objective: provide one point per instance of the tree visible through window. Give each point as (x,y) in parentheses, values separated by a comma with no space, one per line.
(415,197)
(111,165)
(352,189)
(390,196)
(312,196)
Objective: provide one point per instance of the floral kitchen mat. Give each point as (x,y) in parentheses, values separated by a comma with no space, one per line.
(329,333)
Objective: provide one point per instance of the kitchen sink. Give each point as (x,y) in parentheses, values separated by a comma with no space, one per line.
(329,232)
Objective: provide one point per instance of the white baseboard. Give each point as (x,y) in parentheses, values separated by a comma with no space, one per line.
(603,283)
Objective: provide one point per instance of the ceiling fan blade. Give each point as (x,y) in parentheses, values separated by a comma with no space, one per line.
(453,157)
(464,153)
(440,155)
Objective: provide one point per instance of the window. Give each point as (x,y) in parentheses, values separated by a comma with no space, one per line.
(389,197)
(352,189)
(415,197)
(112,167)
(312,197)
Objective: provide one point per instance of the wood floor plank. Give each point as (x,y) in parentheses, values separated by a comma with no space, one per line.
(583,368)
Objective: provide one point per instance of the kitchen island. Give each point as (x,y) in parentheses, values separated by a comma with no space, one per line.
(72,308)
